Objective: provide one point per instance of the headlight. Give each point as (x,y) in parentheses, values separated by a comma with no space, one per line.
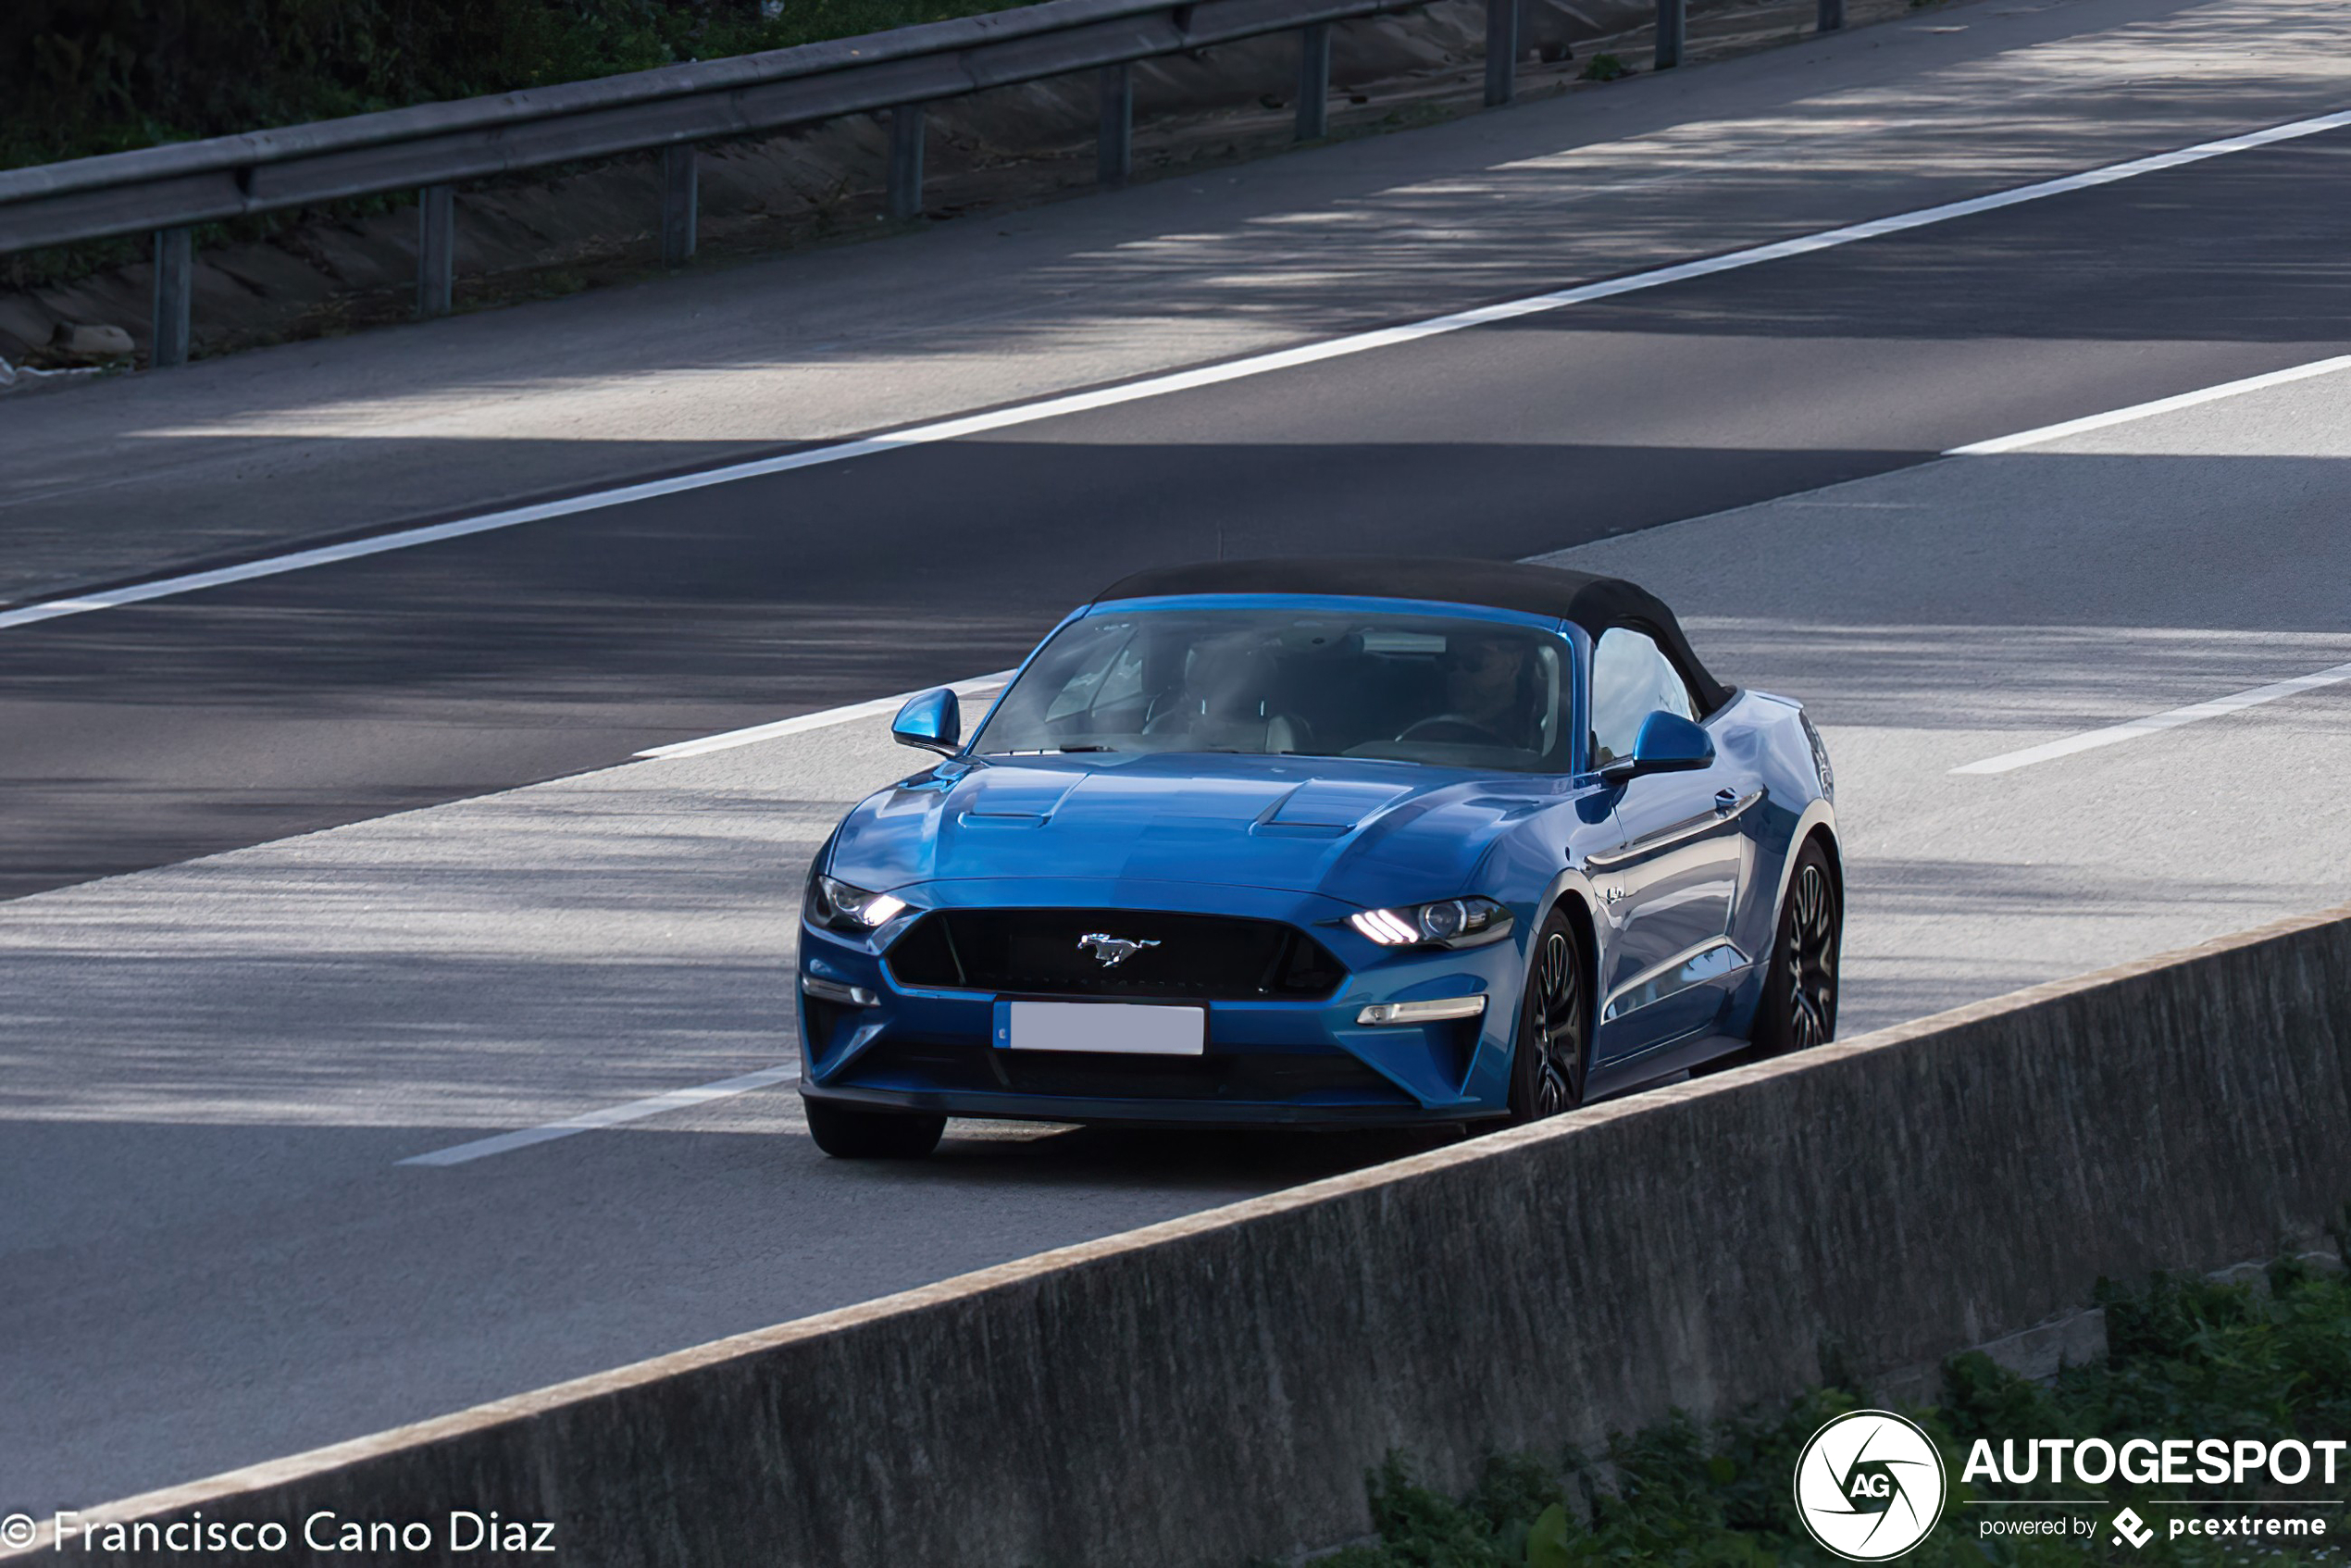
(836,906)
(1446,923)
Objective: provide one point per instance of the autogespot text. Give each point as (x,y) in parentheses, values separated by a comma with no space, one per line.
(2143,1462)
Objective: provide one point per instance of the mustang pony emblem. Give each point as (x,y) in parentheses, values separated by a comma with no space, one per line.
(1111,951)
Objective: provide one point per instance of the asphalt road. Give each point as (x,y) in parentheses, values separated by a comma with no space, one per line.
(152,734)
(235,456)
(211,1070)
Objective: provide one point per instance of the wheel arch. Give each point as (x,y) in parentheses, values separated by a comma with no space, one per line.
(1824,835)
(1571,894)
(1818,822)
(1579,920)
(1571,904)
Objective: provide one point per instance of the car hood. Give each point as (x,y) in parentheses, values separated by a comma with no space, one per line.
(1369,831)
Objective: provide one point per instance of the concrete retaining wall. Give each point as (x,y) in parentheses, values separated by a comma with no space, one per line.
(1214,1388)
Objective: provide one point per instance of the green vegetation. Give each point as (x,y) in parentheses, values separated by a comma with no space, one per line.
(1605,68)
(2186,1358)
(105,75)
(100,76)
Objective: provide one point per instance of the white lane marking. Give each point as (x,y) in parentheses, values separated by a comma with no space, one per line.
(637,1110)
(801,723)
(611,1117)
(2236,701)
(1160,386)
(2149,410)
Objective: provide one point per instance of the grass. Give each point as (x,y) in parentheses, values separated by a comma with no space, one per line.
(2186,1357)
(136,73)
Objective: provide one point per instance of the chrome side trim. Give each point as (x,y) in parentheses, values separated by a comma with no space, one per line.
(1710,960)
(1680,832)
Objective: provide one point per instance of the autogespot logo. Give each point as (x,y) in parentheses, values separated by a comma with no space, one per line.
(1870,1486)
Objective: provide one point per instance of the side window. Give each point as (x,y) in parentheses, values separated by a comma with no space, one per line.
(1631,679)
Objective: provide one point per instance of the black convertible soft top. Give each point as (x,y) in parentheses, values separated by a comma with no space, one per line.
(1592,602)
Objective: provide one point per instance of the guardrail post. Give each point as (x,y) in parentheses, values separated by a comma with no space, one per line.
(680,202)
(1501,52)
(436,249)
(1116,141)
(906,162)
(1832,14)
(1315,80)
(1673,16)
(175,284)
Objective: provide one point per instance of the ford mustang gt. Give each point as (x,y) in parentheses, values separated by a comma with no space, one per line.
(1324,842)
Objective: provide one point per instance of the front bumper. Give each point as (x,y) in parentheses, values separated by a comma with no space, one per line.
(1267,1061)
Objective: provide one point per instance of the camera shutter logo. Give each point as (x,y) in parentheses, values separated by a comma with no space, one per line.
(1870,1486)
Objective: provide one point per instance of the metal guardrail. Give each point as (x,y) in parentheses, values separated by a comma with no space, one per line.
(169,189)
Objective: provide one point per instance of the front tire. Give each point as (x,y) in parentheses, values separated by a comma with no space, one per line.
(847,1134)
(1799,1006)
(1552,1054)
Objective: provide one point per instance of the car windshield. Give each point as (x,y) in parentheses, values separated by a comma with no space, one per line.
(1448,691)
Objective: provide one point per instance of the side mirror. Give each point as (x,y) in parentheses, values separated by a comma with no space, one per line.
(1667,743)
(931,721)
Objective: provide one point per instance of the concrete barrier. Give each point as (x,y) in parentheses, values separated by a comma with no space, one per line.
(1214,1388)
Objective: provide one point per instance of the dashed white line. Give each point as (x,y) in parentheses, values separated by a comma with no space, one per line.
(678,1100)
(611,1117)
(1160,386)
(2219,707)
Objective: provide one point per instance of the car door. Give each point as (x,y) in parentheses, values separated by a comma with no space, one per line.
(1668,888)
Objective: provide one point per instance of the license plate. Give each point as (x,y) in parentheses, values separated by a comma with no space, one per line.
(1118,1028)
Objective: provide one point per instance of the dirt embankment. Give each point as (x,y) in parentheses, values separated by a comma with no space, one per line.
(337,270)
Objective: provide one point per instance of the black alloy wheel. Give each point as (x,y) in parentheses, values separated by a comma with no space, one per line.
(1799,1007)
(1553,1049)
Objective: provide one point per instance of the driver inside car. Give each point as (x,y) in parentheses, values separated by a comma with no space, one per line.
(1490,684)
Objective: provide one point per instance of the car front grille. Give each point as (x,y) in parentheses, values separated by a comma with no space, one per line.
(1180,957)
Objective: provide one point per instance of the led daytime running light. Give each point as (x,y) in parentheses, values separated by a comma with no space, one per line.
(1384,927)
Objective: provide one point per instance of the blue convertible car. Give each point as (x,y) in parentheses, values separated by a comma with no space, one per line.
(1324,842)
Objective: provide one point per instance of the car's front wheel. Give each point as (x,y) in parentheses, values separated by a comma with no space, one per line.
(847,1134)
(1553,1050)
(1799,1007)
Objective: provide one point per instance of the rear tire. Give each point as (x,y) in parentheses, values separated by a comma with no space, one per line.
(1552,1053)
(847,1134)
(1799,1007)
